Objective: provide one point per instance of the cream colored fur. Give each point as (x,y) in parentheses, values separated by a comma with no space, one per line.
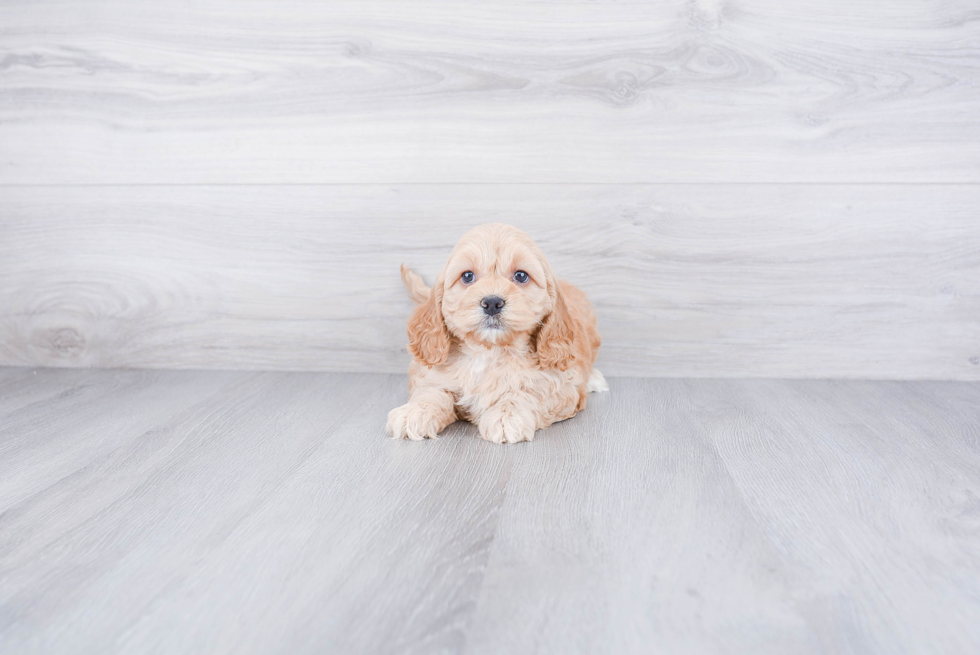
(510,377)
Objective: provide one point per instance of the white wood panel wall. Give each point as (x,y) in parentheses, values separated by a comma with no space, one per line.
(754,187)
(778,280)
(138,91)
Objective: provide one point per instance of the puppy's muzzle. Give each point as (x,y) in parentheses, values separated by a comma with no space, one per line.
(492,305)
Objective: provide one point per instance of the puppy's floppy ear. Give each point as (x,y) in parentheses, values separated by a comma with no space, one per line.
(428,338)
(556,337)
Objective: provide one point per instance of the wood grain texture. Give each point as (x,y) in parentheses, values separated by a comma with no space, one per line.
(266,512)
(689,280)
(358,91)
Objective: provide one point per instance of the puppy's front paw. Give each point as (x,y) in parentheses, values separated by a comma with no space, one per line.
(414,421)
(506,427)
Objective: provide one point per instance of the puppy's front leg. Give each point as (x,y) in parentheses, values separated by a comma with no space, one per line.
(424,416)
(510,419)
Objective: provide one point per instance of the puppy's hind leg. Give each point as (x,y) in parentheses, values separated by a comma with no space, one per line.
(597,382)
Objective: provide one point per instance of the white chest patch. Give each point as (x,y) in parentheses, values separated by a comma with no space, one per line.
(481,367)
(481,360)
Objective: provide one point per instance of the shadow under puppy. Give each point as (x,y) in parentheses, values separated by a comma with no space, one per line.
(497,341)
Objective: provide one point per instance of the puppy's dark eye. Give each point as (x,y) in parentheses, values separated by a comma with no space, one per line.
(521,277)
(467,277)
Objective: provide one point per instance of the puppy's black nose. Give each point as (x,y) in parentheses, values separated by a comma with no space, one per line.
(492,305)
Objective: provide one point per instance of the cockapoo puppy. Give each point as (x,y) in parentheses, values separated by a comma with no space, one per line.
(498,341)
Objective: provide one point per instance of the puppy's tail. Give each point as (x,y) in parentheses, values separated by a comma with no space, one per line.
(416,287)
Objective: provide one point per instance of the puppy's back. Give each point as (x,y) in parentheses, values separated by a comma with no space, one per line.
(581,310)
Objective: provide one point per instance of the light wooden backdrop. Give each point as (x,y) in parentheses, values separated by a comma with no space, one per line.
(745,188)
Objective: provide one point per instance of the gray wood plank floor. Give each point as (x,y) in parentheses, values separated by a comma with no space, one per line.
(186,511)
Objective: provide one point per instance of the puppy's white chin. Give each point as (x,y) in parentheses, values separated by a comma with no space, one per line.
(491,334)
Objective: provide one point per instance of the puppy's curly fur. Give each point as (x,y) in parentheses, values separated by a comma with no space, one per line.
(512,372)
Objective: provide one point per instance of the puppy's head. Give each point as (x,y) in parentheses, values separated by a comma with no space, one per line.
(496,287)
